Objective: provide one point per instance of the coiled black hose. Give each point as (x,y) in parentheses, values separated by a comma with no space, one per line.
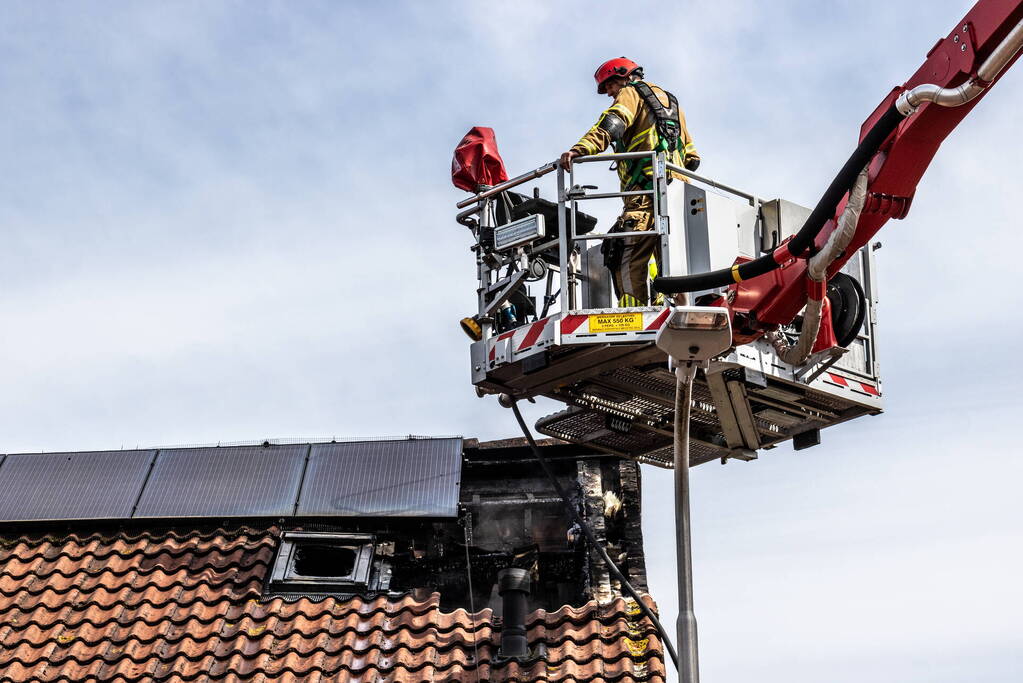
(821,214)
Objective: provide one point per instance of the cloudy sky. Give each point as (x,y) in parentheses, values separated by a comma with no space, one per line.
(226,221)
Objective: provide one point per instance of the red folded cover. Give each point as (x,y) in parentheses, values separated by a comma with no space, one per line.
(476,161)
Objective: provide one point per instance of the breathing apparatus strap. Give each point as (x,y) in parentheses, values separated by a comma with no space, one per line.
(666,119)
(668,126)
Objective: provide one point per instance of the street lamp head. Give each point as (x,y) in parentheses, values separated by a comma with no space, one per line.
(695,333)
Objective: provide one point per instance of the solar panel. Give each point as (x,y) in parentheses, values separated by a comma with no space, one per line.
(239,481)
(408,478)
(85,485)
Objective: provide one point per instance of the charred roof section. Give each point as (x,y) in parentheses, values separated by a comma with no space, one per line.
(189,606)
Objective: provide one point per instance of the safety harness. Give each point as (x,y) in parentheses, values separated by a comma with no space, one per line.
(668,127)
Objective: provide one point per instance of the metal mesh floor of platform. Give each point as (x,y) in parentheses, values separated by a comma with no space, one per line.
(629,411)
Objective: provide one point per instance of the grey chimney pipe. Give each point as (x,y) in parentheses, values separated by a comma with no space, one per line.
(513,585)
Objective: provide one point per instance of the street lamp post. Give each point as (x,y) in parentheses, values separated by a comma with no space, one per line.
(689,665)
(691,336)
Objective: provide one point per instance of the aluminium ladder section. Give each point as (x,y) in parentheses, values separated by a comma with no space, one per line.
(616,384)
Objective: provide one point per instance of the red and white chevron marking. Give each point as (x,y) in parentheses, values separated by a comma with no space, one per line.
(578,325)
(858,386)
(510,345)
(540,333)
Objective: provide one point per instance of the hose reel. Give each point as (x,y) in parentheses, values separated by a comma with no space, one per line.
(848,307)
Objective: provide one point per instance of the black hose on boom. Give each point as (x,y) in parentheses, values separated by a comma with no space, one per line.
(591,537)
(821,214)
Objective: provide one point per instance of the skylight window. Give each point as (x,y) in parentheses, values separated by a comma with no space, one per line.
(322,562)
(322,559)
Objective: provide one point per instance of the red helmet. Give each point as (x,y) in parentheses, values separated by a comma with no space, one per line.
(621,66)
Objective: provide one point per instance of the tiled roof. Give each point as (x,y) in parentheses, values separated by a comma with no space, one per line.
(189,606)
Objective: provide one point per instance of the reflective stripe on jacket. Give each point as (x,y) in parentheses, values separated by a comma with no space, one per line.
(640,133)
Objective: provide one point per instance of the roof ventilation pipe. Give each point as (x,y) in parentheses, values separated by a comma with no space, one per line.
(513,585)
(910,100)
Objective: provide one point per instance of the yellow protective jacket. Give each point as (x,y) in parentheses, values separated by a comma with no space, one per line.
(640,134)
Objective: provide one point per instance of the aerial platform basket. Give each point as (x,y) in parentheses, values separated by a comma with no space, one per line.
(548,326)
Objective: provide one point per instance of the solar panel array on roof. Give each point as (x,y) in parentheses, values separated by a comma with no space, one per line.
(240,481)
(414,478)
(396,478)
(87,485)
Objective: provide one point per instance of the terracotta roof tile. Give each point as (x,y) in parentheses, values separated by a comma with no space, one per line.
(189,607)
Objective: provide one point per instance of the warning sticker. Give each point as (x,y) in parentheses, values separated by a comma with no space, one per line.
(616,322)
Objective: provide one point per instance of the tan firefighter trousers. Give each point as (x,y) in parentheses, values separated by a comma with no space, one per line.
(631,277)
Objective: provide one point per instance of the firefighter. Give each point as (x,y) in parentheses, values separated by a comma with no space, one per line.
(642,117)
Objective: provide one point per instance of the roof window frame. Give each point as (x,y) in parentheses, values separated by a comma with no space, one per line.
(284,577)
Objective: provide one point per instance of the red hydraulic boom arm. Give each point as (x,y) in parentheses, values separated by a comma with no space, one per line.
(897,143)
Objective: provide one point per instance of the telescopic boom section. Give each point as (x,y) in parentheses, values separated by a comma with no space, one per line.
(981,39)
(958,72)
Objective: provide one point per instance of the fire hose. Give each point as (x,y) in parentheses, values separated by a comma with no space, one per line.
(817,271)
(904,106)
(814,223)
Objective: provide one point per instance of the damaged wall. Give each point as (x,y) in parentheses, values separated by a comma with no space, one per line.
(511,516)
